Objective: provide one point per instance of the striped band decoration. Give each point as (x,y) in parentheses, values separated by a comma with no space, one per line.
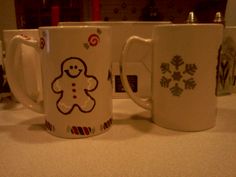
(76,130)
(85,131)
(106,124)
(49,126)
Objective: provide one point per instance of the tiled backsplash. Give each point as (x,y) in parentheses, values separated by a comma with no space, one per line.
(31,14)
(121,10)
(173,10)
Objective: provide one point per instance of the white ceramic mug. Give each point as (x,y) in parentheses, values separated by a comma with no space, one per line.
(76,75)
(139,64)
(28,63)
(184,60)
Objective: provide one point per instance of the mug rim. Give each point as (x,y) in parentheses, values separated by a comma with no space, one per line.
(19,30)
(72,27)
(176,25)
(71,23)
(193,24)
(230,27)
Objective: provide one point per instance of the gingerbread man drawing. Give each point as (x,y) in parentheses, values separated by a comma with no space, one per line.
(74,86)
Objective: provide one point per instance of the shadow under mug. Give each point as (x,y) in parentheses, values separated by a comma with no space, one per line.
(183,79)
(76,72)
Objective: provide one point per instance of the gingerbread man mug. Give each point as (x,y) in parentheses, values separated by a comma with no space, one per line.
(76,72)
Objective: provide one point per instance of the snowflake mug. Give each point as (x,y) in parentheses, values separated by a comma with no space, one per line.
(76,72)
(184,60)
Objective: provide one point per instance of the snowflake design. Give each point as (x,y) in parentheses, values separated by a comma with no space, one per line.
(176,90)
(178,76)
(165,82)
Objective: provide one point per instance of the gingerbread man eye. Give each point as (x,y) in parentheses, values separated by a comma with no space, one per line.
(71,67)
(75,66)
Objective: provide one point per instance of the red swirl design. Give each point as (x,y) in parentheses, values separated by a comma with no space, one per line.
(93,40)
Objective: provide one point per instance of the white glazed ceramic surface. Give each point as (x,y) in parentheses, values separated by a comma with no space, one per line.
(139,59)
(28,62)
(76,71)
(184,75)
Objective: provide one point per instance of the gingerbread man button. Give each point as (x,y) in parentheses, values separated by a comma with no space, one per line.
(74,86)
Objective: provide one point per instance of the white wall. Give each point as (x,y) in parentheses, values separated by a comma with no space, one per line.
(7,15)
(230,14)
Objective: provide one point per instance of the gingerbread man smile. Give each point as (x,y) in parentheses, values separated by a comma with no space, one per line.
(73,72)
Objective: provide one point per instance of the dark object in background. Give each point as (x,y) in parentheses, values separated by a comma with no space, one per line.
(4,87)
(206,10)
(151,12)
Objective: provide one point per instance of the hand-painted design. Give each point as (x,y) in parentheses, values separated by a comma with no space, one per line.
(225,68)
(25,37)
(189,83)
(86,45)
(177,61)
(106,124)
(93,39)
(74,86)
(99,31)
(49,126)
(165,67)
(42,43)
(44,34)
(227,56)
(78,130)
(165,82)
(176,76)
(176,90)
(190,69)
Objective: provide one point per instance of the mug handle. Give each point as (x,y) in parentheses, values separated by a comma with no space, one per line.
(145,103)
(11,72)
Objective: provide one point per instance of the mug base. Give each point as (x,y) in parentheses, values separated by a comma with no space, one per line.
(185,129)
(73,132)
(79,136)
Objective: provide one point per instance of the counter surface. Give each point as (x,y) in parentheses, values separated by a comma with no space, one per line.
(133,147)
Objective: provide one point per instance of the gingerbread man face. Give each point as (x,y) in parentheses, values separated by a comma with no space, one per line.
(74,86)
(73,68)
